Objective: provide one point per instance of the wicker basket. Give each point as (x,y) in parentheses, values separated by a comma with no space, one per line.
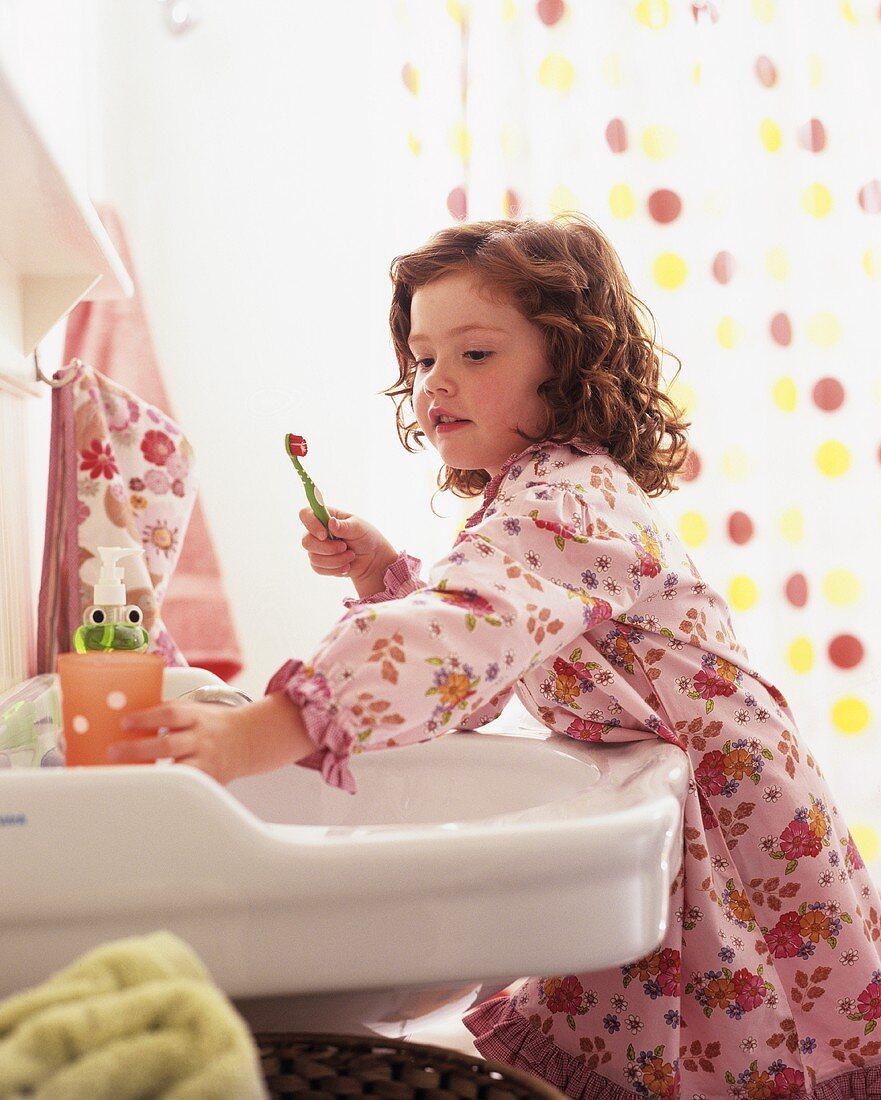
(327,1067)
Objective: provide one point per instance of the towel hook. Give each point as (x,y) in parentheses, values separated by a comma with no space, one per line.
(72,366)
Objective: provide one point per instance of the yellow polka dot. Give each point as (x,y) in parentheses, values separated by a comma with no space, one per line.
(413,143)
(716,204)
(847,13)
(770,135)
(654,14)
(461,141)
(850,715)
(792,525)
(511,141)
(611,70)
(458,10)
(841,587)
(735,463)
(683,397)
(621,201)
(784,394)
(833,458)
(669,270)
(556,73)
(777,264)
(800,655)
(824,330)
(866,839)
(729,333)
(696,75)
(816,200)
(509,11)
(742,593)
(693,528)
(763,10)
(659,142)
(411,78)
(562,199)
(815,71)
(872,262)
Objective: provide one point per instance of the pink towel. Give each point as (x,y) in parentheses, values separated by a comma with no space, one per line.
(114,338)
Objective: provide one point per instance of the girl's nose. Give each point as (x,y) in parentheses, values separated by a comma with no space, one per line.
(437,378)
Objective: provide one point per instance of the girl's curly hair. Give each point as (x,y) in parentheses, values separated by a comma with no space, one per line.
(563,275)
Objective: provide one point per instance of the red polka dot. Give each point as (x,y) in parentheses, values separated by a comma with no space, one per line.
(457,203)
(781,329)
(812,136)
(723,267)
(616,136)
(740,528)
(828,394)
(665,206)
(691,467)
(870,197)
(550,11)
(845,651)
(797,590)
(765,71)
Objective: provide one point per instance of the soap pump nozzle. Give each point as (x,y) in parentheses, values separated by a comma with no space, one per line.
(110,623)
(110,588)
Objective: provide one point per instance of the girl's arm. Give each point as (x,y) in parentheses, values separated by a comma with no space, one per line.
(513,593)
(225,742)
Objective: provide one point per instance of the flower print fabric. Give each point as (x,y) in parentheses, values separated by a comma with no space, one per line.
(568,586)
(127,470)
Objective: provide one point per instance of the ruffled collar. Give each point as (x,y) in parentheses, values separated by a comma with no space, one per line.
(492,486)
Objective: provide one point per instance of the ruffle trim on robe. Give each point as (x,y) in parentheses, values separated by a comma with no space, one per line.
(401,578)
(500,1032)
(310,691)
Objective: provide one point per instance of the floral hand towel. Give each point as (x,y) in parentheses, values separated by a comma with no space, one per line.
(120,474)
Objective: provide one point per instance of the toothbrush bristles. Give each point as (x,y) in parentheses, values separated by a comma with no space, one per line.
(297,445)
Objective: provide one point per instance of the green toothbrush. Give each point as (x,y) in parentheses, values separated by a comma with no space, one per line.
(295,445)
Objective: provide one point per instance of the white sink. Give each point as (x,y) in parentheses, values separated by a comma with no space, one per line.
(461,865)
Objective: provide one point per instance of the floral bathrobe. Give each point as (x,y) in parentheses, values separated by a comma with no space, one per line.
(568,587)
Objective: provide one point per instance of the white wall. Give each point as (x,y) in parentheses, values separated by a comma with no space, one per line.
(254,169)
(46,47)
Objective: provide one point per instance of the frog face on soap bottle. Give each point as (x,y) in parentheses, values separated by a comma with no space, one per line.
(110,623)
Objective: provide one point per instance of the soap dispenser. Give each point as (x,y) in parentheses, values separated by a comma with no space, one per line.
(110,623)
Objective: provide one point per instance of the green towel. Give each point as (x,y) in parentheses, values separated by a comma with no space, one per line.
(132,1019)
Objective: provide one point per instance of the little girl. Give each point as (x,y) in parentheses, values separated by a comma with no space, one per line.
(522,351)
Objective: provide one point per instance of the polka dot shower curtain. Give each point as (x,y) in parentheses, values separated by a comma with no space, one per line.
(732,152)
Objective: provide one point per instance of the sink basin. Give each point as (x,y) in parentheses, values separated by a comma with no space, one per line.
(461,865)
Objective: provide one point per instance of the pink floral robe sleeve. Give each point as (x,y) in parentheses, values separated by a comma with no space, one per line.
(403,669)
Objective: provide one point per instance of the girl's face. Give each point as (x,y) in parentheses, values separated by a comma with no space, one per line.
(480,361)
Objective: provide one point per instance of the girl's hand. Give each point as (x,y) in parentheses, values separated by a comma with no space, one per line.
(358,551)
(224,742)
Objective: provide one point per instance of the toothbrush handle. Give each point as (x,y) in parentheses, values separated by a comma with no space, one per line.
(316,502)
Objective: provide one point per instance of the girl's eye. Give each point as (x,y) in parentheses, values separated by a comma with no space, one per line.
(420,363)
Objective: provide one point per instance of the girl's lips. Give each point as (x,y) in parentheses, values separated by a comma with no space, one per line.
(451,427)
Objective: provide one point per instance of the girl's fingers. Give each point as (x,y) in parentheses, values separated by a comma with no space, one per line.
(328,546)
(313,524)
(149,749)
(334,572)
(172,716)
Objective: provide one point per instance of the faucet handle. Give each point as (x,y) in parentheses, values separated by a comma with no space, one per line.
(212,693)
